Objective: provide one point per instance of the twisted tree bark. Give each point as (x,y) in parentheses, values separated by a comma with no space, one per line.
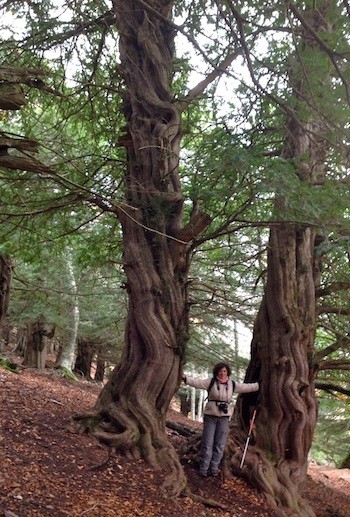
(282,349)
(284,331)
(131,411)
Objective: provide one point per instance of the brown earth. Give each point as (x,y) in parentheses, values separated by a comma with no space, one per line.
(47,471)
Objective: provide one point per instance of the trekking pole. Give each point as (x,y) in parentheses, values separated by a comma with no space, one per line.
(248,438)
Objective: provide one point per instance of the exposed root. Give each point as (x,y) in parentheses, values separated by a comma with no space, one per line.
(175,481)
(210,503)
(84,416)
(83,423)
(275,481)
(190,449)
(115,429)
(183,430)
(103,463)
(121,441)
(132,454)
(67,374)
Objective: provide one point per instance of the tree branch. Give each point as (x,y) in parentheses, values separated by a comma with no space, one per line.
(334,365)
(107,19)
(323,309)
(339,343)
(29,76)
(332,288)
(189,37)
(199,89)
(331,387)
(198,223)
(321,44)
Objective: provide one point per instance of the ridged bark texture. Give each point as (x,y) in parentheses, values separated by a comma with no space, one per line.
(284,331)
(133,405)
(282,349)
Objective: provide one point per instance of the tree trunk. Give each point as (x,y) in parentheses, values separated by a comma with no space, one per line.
(345,464)
(6,334)
(85,355)
(35,349)
(185,403)
(200,406)
(133,405)
(193,403)
(284,331)
(236,371)
(66,357)
(21,341)
(5,284)
(282,349)
(100,367)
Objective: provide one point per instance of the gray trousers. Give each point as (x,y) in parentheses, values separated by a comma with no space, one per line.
(213,442)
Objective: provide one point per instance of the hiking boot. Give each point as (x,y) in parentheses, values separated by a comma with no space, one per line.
(214,473)
(203,473)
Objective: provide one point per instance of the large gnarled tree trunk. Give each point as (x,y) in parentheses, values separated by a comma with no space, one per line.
(284,331)
(282,349)
(133,405)
(67,354)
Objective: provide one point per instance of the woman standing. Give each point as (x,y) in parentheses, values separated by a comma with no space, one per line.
(217,414)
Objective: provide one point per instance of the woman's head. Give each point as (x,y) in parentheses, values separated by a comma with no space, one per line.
(218,367)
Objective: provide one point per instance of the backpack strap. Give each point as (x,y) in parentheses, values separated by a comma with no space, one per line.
(210,386)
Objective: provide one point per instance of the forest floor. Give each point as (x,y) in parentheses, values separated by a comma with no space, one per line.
(47,471)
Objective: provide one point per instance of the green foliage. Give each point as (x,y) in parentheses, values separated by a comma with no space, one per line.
(43,287)
(68,374)
(332,433)
(7,365)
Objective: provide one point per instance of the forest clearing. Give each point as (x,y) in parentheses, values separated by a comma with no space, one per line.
(46,471)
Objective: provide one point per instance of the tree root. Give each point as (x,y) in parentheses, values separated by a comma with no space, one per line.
(103,463)
(210,503)
(277,482)
(120,441)
(120,433)
(183,430)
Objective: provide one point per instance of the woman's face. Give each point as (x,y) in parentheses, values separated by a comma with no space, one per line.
(223,373)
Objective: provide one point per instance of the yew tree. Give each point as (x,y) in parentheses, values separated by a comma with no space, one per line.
(297,139)
(132,408)
(283,344)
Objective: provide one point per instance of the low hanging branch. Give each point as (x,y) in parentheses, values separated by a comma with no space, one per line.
(200,87)
(23,163)
(13,161)
(21,144)
(330,388)
(341,342)
(12,98)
